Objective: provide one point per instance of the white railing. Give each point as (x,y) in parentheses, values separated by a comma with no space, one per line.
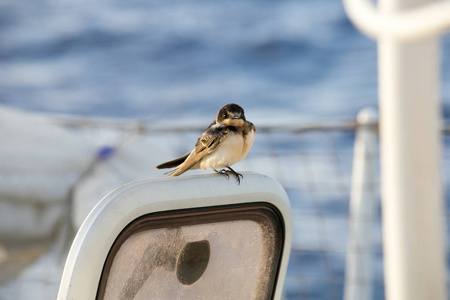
(413,220)
(359,271)
(413,24)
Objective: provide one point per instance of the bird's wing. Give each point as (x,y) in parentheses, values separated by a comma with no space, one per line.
(206,144)
(211,138)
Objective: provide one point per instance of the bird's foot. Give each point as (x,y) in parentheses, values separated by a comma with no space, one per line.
(227,173)
(222,172)
(238,176)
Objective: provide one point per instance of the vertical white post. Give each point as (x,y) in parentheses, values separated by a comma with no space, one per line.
(413,223)
(363,202)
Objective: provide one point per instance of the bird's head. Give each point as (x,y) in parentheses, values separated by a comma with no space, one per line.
(231,114)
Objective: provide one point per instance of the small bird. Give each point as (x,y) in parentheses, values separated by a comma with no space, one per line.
(225,142)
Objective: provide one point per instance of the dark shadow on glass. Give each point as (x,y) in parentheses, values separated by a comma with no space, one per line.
(192,261)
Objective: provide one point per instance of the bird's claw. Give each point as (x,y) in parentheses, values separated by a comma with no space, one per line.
(226,172)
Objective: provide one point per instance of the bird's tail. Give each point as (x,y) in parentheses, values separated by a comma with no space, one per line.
(176,171)
(173,163)
(171,172)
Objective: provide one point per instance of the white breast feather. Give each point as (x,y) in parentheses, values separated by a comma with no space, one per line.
(248,142)
(233,149)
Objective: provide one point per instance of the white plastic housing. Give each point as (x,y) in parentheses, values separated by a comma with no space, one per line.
(130,202)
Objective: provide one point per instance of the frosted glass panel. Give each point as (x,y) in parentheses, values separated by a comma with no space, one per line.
(230,259)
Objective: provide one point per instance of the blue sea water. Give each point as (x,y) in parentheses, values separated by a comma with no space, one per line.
(170,59)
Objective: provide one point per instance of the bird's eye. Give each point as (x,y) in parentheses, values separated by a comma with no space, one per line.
(224,115)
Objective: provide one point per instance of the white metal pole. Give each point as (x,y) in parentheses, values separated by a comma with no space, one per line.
(413,223)
(359,264)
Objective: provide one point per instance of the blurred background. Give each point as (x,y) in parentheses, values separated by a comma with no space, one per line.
(172,59)
(93,95)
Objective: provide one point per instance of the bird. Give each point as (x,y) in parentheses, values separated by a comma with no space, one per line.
(226,141)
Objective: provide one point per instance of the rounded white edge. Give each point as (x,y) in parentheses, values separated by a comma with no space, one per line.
(109,217)
(414,24)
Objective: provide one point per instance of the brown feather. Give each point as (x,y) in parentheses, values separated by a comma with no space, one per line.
(206,144)
(173,163)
